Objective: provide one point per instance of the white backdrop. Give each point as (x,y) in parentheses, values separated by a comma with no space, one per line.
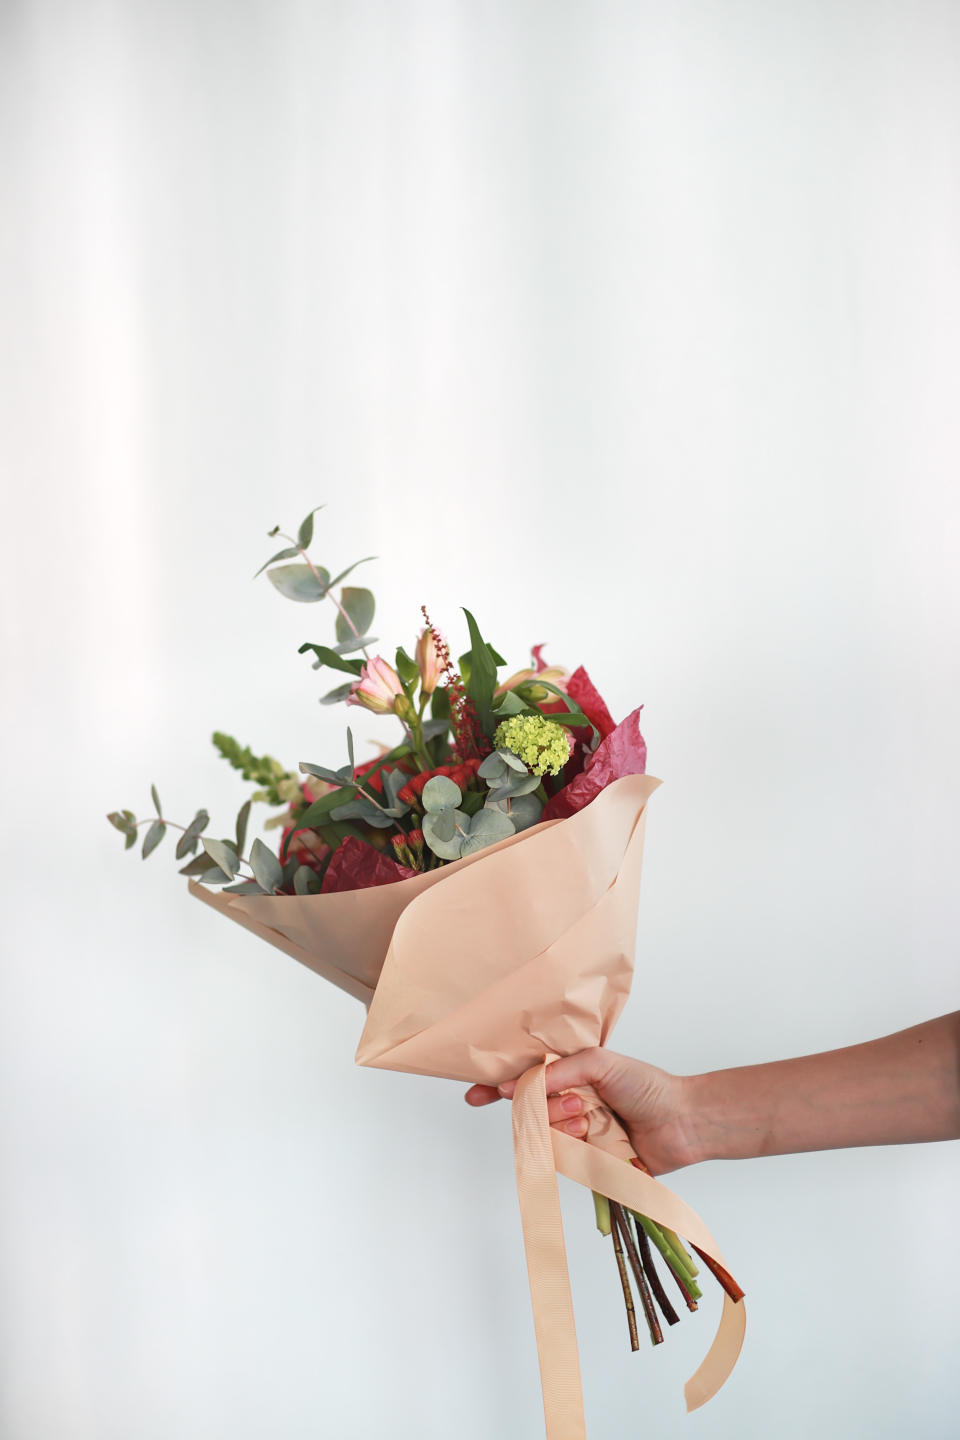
(634,327)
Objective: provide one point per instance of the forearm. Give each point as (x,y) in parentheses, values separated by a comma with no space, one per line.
(897,1090)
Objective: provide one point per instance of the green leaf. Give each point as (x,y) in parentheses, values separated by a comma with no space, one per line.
(305,533)
(344,573)
(197,866)
(510,704)
(357,642)
(156,801)
(267,870)
(286,554)
(360,808)
(191,836)
(440,793)
(494,656)
(222,853)
(244,887)
(153,837)
(332,777)
(483,675)
(326,656)
(359,605)
(123,821)
(306,881)
(407,669)
(442,835)
(440,704)
(486,828)
(243,817)
(298,582)
(353,763)
(213,875)
(333,697)
(522,810)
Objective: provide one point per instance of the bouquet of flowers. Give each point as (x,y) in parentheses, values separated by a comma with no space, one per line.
(506,824)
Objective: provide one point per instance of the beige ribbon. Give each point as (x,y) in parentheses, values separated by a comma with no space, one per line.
(539,1153)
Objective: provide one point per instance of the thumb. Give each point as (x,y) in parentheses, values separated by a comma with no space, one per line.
(587,1067)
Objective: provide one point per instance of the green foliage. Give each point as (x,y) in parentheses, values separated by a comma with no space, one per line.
(357,608)
(482,679)
(267,870)
(190,838)
(152,838)
(451,832)
(262,769)
(304,583)
(327,656)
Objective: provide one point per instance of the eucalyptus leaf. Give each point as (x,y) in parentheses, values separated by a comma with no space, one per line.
(393,783)
(298,582)
(359,605)
(153,837)
(243,818)
(286,554)
(244,887)
(522,810)
(188,841)
(486,828)
(333,777)
(156,801)
(267,870)
(197,866)
(333,697)
(306,881)
(305,533)
(433,728)
(124,821)
(440,793)
(356,642)
(214,876)
(344,573)
(326,656)
(360,808)
(222,853)
(131,840)
(353,763)
(441,833)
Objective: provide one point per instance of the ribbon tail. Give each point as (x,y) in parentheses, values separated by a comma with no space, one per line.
(540,1152)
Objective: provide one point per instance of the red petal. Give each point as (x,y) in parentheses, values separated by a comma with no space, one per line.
(356,866)
(537,652)
(623,752)
(581,689)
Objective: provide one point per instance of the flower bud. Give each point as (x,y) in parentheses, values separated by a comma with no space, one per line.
(378,687)
(428,661)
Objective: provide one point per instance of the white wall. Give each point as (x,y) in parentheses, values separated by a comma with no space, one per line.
(635,328)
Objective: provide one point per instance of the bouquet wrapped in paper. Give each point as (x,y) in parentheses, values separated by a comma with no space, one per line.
(476,887)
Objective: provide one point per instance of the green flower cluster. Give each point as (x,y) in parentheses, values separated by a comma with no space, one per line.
(540,743)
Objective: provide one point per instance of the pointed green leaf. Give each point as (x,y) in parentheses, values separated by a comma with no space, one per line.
(153,837)
(298,582)
(222,853)
(244,887)
(156,801)
(407,669)
(131,840)
(483,675)
(305,533)
(190,838)
(267,870)
(286,554)
(353,763)
(243,817)
(338,693)
(344,573)
(326,656)
(357,642)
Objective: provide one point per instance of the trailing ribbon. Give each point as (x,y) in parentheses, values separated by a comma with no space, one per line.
(540,1152)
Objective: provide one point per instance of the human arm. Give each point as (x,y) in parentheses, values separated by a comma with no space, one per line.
(897,1090)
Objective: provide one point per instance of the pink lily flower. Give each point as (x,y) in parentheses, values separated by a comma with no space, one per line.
(377,688)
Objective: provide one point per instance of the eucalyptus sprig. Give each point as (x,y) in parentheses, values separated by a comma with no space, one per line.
(308,583)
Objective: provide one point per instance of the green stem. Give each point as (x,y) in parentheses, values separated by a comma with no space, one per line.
(601,1207)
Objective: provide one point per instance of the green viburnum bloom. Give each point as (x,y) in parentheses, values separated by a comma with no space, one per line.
(540,743)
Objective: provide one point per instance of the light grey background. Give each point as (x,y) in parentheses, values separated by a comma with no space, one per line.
(634,327)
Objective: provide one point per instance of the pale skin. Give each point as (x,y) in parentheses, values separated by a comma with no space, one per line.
(899,1090)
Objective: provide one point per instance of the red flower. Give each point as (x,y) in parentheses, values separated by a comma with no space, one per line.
(461,773)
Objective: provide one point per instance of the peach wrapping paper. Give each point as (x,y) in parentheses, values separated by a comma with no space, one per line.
(481,971)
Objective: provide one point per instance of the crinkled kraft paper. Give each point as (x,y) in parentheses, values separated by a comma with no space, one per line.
(481,971)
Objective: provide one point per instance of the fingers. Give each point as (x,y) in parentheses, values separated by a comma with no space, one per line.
(564,1111)
(587,1067)
(481,1095)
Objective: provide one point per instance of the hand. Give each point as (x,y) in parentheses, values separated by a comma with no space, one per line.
(649,1102)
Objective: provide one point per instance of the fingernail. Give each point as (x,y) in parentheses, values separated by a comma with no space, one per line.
(572,1104)
(576,1127)
(505,1090)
